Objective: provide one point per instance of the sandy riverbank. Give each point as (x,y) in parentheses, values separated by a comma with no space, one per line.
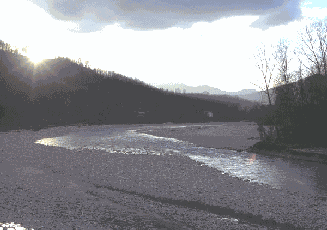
(65,189)
(221,135)
(239,136)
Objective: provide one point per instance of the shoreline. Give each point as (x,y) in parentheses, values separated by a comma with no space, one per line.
(250,142)
(237,136)
(94,189)
(144,190)
(317,154)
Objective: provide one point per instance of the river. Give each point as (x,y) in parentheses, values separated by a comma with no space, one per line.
(289,174)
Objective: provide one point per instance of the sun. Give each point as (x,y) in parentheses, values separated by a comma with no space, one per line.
(35,56)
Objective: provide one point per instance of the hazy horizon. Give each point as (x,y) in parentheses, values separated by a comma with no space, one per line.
(180,86)
(211,43)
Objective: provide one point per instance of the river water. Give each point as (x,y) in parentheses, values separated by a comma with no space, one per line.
(280,173)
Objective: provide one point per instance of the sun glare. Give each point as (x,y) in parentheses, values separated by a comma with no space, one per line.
(35,58)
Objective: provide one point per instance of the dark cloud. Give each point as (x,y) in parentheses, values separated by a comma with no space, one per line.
(288,12)
(93,15)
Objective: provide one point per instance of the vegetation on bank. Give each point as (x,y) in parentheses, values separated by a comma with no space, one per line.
(66,92)
(298,116)
(62,91)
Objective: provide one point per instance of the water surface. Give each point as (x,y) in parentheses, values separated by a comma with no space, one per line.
(279,173)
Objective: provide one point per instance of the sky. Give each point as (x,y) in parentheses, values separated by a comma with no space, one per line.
(211,42)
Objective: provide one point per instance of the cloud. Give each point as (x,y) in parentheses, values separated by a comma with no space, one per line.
(288,12)
(93,15)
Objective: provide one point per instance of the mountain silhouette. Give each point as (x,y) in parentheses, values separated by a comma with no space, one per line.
(248,94)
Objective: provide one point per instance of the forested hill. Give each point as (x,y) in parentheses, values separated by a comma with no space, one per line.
(65,92)
(242,103)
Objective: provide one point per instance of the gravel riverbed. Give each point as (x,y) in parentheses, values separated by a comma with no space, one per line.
(44,187)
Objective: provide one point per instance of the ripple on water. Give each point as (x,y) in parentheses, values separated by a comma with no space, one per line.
(275,172)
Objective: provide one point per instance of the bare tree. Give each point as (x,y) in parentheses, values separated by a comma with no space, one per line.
(284,76)
(321,30)
(281,91)
(285,99)
(307,48)
(300,86)
(266,67)
(314,47)
(281,56)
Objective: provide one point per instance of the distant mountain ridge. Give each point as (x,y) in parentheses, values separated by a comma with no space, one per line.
(248,94)
(202,89)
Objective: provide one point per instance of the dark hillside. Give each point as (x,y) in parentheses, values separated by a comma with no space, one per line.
(15,87)
(224,99)
(63,92)
(17,64)
(298,114)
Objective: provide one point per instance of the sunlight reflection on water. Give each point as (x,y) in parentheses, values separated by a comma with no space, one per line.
(275,172)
